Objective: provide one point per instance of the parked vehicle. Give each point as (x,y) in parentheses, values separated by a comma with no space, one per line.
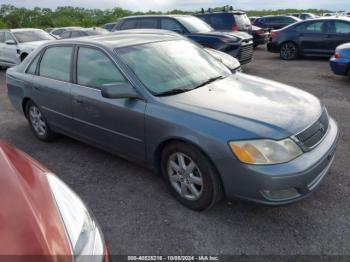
(227,21)
(56,32)
(75,33)
(253,18)
(306,16)
(237,44)
(260,36)
(16,44)
(163,101)
(340,61)
(275,22)
(41,215)
(49,29)
(109,26)
(316,37)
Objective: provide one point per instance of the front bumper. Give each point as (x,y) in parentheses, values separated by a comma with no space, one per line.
(268,184)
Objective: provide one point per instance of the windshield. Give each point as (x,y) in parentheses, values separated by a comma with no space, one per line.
(32,36)
(171,65)
(194,24)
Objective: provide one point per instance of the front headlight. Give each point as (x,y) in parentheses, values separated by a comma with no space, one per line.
(83,231)
(265,152)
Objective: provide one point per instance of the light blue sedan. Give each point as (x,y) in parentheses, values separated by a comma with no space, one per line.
(165,102)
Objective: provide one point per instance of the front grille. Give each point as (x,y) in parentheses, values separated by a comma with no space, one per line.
(246,53)
(311,136)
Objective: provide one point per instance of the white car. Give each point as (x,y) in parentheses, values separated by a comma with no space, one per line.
(17,44)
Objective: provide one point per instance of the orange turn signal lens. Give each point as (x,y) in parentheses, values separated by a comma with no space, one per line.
(246,154)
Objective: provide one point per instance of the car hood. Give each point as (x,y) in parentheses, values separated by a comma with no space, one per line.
(263,108)
(222,34)
(34,44)
(30,223)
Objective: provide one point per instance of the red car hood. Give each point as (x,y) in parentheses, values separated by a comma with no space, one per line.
(30,222)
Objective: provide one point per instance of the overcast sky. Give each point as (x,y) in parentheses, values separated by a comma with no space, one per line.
(164,5)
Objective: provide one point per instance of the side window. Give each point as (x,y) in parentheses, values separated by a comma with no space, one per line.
(32,68)
(342,27)
(148,23)
(66,34)
(316,27)
(95,69)
(56,63)
(109,26)
(2,37)
(75,34)
(171,24)
(58,31)
(129,24)
(220,21)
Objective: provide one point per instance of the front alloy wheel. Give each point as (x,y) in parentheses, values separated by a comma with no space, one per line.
(190,176)
(185,176)
(289,51)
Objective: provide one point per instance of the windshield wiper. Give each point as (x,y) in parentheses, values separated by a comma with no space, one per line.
(174,91)
(210,80)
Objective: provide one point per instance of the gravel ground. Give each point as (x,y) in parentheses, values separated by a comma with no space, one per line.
(138,215)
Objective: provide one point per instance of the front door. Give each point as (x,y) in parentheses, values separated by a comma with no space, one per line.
(114,124)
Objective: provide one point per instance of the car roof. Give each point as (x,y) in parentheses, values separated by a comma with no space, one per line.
(24,29)
(155,16)
(124,38)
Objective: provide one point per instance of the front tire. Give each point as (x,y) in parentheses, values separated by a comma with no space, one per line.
(38,123)
(190,176)
(289,51)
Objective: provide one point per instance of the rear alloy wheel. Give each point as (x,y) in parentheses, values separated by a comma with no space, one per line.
(38,123)
(289,51)
(190,176)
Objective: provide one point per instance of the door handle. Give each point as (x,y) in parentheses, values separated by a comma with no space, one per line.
(78,101)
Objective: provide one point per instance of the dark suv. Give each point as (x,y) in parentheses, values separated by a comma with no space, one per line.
(237,44)
(227,21)
(275,22)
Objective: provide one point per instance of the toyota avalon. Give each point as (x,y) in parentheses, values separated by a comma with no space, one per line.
(163,101)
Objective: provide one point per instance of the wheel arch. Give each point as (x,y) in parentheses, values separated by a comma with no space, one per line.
(158,153)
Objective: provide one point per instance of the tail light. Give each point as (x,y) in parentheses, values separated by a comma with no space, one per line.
(260,32)
(274,34)
(234,28)
(336,55)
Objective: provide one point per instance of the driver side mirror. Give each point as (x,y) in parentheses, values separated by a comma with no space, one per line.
(118,91)
(11,42)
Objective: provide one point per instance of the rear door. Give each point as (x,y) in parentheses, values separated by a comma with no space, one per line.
(115,124)
(338,33)
(313,38)
(51,86)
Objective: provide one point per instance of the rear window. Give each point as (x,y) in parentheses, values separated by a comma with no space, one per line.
(242,20)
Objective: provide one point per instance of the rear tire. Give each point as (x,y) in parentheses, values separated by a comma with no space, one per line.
(38,123)
(289,51)
(349,73)
(190,176)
